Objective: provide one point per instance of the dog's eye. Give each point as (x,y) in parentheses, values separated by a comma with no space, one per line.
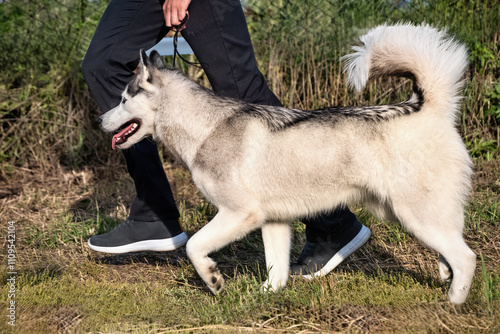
(124,100)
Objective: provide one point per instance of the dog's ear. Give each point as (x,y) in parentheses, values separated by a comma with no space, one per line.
(156,60)
(144,57)
(145,71)
(143,61)
(142,71)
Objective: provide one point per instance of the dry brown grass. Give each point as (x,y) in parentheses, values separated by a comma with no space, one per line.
(62,206)
(61,183)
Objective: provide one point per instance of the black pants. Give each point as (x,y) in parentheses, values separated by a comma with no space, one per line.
(218,35)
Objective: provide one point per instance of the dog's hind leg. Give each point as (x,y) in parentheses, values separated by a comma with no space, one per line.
(227,226)
(277,237)
(457,263)
(442,231)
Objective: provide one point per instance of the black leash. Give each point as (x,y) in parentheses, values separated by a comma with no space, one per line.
(176,37)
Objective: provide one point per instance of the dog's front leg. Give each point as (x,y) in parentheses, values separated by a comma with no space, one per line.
(227,226)
(277,238)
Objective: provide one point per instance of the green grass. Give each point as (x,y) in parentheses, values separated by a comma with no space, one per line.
(491,287)
(390,284)
(61,183)
(48,115)
(115,303)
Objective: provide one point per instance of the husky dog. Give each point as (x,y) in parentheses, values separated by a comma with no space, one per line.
(264,166)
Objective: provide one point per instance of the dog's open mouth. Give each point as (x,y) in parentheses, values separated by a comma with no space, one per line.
(127,130)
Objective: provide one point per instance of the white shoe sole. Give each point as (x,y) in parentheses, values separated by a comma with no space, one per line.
(159,245)
(358,241)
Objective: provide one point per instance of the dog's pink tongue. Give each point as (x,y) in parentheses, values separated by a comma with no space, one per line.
(120,137)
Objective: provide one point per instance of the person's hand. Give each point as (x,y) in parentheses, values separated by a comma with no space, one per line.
(175,11)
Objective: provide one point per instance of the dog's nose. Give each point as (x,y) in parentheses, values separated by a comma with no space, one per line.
(99,120)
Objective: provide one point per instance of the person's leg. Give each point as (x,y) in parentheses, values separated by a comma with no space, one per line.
(113,54)
(218,34)
(330,239)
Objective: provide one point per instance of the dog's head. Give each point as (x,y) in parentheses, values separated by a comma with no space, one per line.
(133,118)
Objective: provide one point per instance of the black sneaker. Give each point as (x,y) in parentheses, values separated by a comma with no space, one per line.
(139,236)
(319,258)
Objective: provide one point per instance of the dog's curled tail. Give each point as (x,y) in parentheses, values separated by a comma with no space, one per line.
(430,57)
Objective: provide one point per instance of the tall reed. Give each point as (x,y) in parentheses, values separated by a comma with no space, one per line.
(299,45)
(46,112)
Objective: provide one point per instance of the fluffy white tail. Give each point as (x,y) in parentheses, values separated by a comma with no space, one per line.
(435,61)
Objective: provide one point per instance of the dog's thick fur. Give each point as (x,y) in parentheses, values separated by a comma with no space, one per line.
(263,166)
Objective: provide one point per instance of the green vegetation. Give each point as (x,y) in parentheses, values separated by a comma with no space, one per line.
(61,183)
(299,46)
(391,284)
(46,112)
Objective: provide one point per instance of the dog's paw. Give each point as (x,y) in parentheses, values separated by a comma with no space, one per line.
(216,281)
(445,271)
(446,274)
(458,296)
(272,286)
(267,287)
